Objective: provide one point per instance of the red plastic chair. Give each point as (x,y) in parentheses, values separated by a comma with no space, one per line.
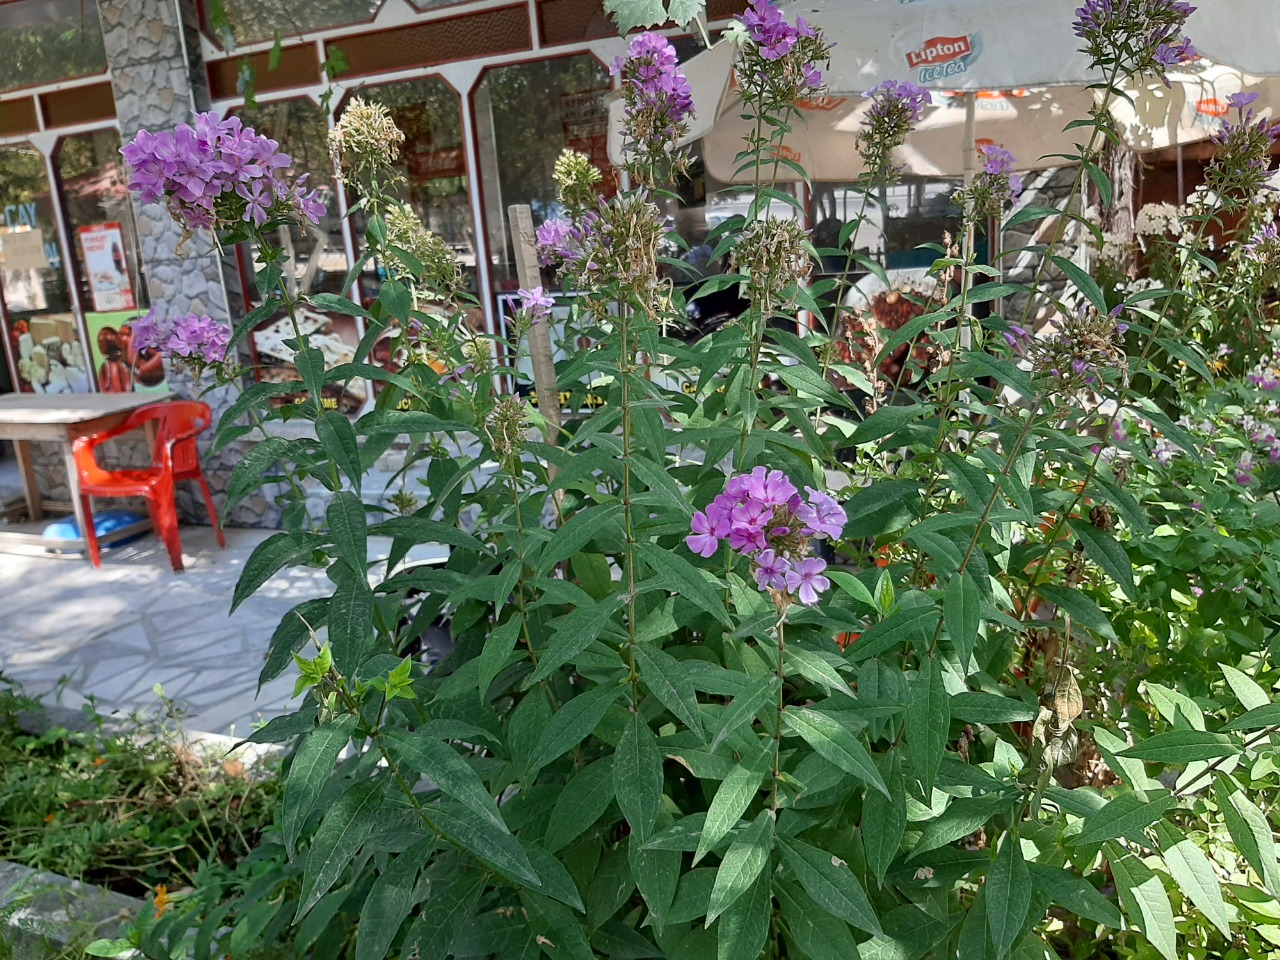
(178,422)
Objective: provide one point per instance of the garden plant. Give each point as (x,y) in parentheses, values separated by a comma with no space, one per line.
(748,666)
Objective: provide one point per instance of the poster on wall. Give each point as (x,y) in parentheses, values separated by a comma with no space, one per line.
(336,337)
(121,367)
(48,355)
(106,268)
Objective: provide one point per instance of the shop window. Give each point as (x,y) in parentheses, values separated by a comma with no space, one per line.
(252,21)
(317,257)
(432,169)
(526,114)
(106,261)
(42,337)
(48,40)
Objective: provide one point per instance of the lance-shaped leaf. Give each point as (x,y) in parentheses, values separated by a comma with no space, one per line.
(1144,899)
(928,723)
(342,832)
(1008,895)
(831,884)
(425,755)
(1194,874)
(312,764)
(732,798)
(637,777)
(742,863)
(834,742)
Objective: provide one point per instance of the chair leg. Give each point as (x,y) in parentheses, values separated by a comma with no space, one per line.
(213,513)
(165,515)
(89,534)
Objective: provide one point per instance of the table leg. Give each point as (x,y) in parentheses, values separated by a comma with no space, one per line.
(73,487)
(29,489)
(149,428)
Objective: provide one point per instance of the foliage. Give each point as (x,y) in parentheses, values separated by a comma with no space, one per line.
(133,810)
(645,744)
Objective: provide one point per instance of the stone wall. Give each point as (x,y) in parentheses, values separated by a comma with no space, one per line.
(1046,188)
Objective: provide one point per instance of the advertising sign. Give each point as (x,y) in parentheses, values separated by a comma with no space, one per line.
(106,268)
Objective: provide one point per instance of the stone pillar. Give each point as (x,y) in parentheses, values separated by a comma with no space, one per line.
(159,81)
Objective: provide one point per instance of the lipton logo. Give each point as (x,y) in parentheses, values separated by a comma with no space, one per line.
(1212,107)
(939,50)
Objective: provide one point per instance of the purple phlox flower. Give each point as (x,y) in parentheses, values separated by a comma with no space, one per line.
(1197,506)
(260,196)
(703,540)
(996,160)
(1017,338)
(1197,591)
(1238,101)
(771,570)
(827,518)
(1164,451)
(1261,238)
(197,337)
(770,31)
(149,332)
(805,579)
(536,304)
(652,81)
(747,534)
(555,242)
(1173,54)
(892,95)
(1244,470)
(771,488)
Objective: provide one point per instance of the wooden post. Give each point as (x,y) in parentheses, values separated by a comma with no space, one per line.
(520,216)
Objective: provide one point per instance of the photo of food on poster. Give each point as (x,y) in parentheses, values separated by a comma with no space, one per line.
(335,336)
(105,267)
(48,355)
(118,365)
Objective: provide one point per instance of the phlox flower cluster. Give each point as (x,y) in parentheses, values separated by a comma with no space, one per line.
(657,103)
(214,174)
(1087,345)
(1135,37)
(192,340)
(896,107)
(616,243)
(994,186)
(1241,166)
(772,253)
(762,516)
(1158,220)
(535,305)
(779,62)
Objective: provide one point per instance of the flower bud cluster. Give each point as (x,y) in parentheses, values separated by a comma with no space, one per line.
(994,187)
(441,276)
(764,517)
(779,62)
(218,174)
(365,141)
(896,107)
(576,178)
(1135,37)
(1086,346)
(1242,165)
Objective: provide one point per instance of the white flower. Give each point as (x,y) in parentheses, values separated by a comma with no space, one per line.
(1158,220)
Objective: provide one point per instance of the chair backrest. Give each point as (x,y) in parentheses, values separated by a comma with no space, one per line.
(178,422)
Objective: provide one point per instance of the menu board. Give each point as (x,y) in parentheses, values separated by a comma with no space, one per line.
(106,268)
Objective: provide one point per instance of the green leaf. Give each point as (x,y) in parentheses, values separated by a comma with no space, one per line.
(338,439)
(347,527)
(991,708)
(576,719)
(453,902)
(969,480)
(573,633)
(831,884)
(961,818)
(670,683)
(1194,874)
(742,710)
(262,312)
(1144,900)
(1124,816)
(906,626)
(1267,715)
(1008,895)
(485,840)
(310,363)
(657,875)
(308,773)
(928,723)
(962,610)
(1246,689)
(333,303)
(818,935)
(422,529)
(742,864)
(390,901)
(883,507)
(425,755)
(580,804)
(350,619)
(1104,550)
(1075,893)
(497,650)
(884,818)
(1183,746)
(577,532)
(1251,831)
(732,798)
(342,832)
(884,423)
(744,928)
(684,579)
(637,777)
(292,632)
(1083,611)
(1083,282)
(555,878)
(835,743)
(270,557)
(818,669)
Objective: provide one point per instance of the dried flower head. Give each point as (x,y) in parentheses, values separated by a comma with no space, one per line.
(365,141)
(657,105)
(619,245)
(775,254)
(505,426)
(576,178)
(1135,37)
(896,107)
